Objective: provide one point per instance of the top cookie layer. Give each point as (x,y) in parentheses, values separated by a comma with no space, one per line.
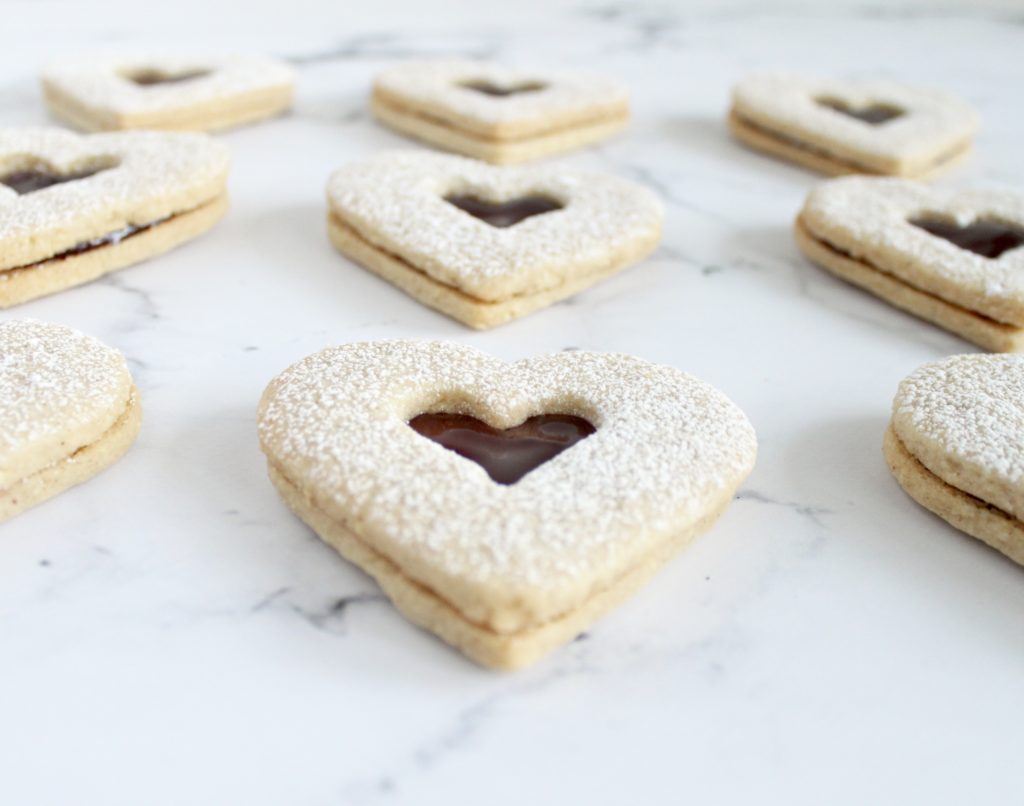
(102,84)
(146,177)
(933,125)
(59,390)
(963,419)
(437,89)
(870,219)
(397,201)
(668,450)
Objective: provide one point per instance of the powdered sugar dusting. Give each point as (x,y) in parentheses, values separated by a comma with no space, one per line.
(869,218)
(934,123)
(155,175)
(435,87)
(396,201)
(668,449)
(59,390)
(101,80)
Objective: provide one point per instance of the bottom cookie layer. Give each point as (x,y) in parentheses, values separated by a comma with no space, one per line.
(810,156)
(80,466)
(985,332)
(26,283)
(962,510)
(448,300)
(498,152)
(427,609)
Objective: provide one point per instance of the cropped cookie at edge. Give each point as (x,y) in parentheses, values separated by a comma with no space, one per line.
(74,207)
(68,410)
(857,126)
(499,114)
(106,92)
(369,444)
(953,258)
(956,445)
(486,244)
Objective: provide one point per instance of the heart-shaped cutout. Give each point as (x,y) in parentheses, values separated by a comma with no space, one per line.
(874,114)
(507,454)
(403,215)
(113,91)
(499,114)
(134,194)
(951,257)
(882,127)
(504,572)
(984,237)
(504,214)
(68,409)
(956,445)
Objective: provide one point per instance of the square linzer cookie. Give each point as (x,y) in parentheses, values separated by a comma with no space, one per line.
(74,207)
(499,114)
(504,507)
(108,92)
(954,258)
(68,409)
(841,127)
(956,445)
(487,244)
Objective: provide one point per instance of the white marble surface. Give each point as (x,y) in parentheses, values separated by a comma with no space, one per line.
(169,633)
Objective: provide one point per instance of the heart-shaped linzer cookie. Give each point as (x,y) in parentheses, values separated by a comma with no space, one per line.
(499,114)
(68,409)
(112,91)
(953,258)
(486,244)
(505,572)
(956,445)
(839,127)
(74,207)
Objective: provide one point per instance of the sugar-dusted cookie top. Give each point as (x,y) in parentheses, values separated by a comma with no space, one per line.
(140,89)
(397,200)
(963,419)
(59,390)
(129,178)
(668,451)
(498,101)
(892,224)
(912,127)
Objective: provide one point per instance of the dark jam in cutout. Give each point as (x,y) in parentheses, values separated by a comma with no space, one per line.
(506,455)
(500,91)
(31,180)
(874,114)
(150,77)
(504,214)
(983,237)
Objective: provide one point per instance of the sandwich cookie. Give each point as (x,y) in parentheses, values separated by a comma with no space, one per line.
(956,445)
(499,114)
(107,92)
(68,409)
(842,127)
(74,207)
(504,507)
(951,258)
(487,244)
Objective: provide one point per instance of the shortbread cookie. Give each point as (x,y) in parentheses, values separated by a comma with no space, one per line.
(499,114)
(75,207)
(484,244)
(107,92)
(956,445)
(842,127)
(68,409)
(502,506)
(952,258)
